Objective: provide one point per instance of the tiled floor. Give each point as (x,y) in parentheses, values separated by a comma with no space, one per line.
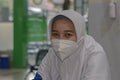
(15,74)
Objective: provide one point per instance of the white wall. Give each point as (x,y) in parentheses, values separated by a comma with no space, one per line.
(106,31)
(6,36)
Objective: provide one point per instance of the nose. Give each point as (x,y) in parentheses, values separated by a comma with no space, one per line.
(61,36)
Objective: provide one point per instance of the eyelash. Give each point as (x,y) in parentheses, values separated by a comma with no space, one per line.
(55,34)
(68,35)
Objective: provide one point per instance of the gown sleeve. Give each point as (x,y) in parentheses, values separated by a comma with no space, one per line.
(43,72)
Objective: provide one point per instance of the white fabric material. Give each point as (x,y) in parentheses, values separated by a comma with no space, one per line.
(64,48)
(89,62)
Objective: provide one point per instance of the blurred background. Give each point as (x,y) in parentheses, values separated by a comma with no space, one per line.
(24,33)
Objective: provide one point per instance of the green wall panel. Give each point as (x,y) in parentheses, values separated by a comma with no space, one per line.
(20,30)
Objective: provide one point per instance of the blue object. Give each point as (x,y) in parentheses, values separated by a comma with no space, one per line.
(37,77)
(4,62)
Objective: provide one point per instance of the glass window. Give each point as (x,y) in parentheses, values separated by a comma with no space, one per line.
(6,10)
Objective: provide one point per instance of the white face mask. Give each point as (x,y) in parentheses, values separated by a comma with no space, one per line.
(64,48)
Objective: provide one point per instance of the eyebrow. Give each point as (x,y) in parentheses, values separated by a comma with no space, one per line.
(54,31)
(69,31)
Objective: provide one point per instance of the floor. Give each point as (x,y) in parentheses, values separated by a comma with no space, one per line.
(16,74)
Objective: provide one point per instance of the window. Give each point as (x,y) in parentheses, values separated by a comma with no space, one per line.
(6,10)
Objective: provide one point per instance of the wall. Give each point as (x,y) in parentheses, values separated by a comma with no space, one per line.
(6,36)
(78,5)
(107,32)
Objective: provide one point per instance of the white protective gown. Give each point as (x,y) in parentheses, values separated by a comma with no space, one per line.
(89,62)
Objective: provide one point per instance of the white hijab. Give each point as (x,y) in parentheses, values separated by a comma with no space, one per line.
(78,21)
(87,63)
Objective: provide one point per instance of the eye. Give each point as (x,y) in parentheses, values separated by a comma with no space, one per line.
(68,35)
(55,35)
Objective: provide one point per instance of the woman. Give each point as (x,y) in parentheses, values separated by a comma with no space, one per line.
(74,55)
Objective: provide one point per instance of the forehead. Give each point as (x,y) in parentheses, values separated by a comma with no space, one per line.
(63,21)
(60,19)
(63,24)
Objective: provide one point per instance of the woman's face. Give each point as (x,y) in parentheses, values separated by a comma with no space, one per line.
(63,29)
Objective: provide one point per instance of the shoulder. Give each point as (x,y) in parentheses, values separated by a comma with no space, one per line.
(92,46)
(94,52)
